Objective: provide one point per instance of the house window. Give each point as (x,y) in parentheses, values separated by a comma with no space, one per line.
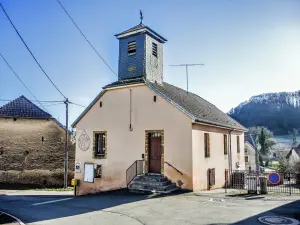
(246,159)
(206,145)
(131,48)
(100,144)
(211,177)
(100,104)
(238,144)
(225,144)
(154,98)
(154,49)
(98,171)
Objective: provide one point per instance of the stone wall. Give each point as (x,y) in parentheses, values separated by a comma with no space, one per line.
(32,152)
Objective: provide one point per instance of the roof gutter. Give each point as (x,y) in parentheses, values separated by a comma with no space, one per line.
(217,126)
(124,86)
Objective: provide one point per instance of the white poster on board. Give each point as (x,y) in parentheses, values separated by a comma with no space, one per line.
(89,172)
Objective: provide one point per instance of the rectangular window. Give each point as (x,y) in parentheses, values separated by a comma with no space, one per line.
(100,144)
(98,171)
(238,144)
(246,159)
(211,177)
(131,48)
(206,145)
(225,144)
(154,49)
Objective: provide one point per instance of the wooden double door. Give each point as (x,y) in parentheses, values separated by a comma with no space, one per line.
(154,153)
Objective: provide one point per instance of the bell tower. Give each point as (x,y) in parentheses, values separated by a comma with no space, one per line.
(141,53)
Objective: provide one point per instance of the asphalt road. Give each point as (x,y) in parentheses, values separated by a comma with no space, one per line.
(130,209)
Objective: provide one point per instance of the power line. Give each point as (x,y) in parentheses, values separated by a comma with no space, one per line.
(103,60)
(77,104)
(6,100)
(48,103)
(22,81)
(54,104)
(30,51)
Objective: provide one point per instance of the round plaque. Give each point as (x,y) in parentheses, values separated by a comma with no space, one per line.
(84,141)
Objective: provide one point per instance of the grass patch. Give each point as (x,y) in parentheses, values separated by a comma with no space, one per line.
(55,189)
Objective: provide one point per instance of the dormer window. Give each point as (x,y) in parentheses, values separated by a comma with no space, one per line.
(131,48)
(154,49)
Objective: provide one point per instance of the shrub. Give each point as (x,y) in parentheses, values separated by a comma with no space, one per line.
(38,178)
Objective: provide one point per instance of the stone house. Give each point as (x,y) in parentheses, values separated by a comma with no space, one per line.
(250,152)
(32,146)
(294,155)
(143,133)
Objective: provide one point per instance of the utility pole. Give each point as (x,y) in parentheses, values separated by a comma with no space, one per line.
(66,146)
(187,72)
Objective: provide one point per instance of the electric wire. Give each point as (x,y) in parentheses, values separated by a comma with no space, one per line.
(87,40)
(22,81)
(7,16)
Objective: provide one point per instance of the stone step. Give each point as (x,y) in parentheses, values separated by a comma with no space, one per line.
(153,178)
(155,183)
(152,187)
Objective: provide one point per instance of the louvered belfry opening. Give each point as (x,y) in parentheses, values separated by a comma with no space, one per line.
(131,48)
(154,49)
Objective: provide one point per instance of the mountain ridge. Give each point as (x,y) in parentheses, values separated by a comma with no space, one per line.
(279,111)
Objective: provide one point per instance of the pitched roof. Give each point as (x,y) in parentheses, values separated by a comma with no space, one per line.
(22,107)
(195,106)
(130,81)
(249,138)
(297,149)
(191,104)
(135,28)
(141,27)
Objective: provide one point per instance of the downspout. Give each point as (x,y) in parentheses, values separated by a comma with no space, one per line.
(230,153)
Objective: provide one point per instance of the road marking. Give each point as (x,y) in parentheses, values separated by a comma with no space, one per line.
(48,202)
(15,218)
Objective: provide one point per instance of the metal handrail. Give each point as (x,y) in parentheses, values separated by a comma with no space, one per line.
(174,168)
(134,170)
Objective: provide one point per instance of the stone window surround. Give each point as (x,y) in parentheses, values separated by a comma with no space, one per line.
(94,145)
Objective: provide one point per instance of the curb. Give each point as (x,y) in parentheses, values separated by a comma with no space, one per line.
(15,218)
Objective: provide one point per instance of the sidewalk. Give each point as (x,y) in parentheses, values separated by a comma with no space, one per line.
(36,193)
(243,195)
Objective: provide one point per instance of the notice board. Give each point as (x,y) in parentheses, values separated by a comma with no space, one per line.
(89,172)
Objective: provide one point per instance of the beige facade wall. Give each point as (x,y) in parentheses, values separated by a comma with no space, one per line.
(124,146)
(32,152)
(217,159)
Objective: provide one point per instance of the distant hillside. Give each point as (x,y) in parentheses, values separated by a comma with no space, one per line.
(280,112)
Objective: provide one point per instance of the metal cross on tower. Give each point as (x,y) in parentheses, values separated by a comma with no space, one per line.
(141,16)
(187,72)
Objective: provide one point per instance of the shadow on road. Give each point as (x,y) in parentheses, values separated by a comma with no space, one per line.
(291,210)
(35,208)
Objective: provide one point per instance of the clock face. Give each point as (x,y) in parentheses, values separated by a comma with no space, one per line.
(131,68)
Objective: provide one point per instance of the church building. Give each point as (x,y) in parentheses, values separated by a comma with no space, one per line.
(145,134)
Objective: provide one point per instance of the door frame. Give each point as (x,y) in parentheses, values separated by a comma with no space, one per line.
(147,132)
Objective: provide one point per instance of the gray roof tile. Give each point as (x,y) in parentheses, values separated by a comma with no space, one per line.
(22,107)
(202,110)
(140,27)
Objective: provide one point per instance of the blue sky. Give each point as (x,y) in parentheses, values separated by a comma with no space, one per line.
(248,47)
